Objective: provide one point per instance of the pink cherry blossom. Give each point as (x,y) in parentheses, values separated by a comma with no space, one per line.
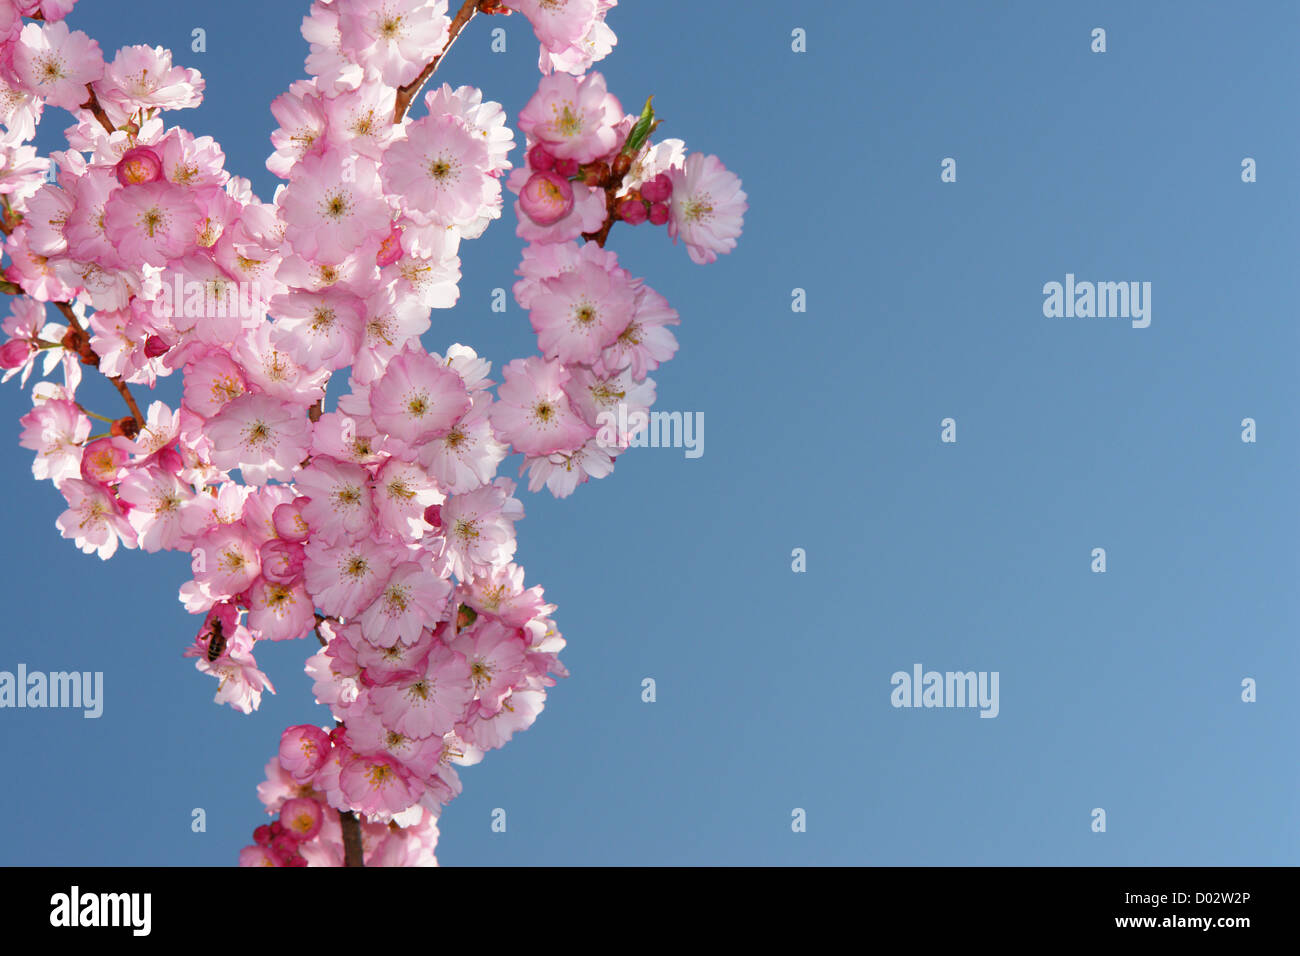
(707,207)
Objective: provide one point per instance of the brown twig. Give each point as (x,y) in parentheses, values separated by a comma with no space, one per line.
(405,94)
(92,104)
(80,343)
(353,853)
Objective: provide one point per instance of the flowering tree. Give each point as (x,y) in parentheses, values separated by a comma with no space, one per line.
(379,527)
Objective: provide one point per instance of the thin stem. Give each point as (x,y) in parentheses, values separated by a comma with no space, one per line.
(405,94)
(90,358)
(92,104)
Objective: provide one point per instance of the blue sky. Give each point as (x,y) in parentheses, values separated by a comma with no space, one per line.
(1119,690)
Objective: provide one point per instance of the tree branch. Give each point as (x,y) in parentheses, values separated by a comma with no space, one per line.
(81,345)
(405,94)
(353,853)
(92,104)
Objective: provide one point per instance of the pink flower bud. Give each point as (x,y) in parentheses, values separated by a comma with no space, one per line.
(154,346)
(546,198)
(139,165)
(566,167)
(170,461)
(289,522)
(282,560)
(540,160)
(433,515)
(658,214)
(14,353)
(303,750)
(262,835)
(657,189)
(632,211)
(301,818)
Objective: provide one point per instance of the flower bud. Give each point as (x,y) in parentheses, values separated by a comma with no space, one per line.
(546,198)
(282,560)
(124,427)
(14,353)
(154,346)
(566,167)
(658,214)
(289,522)
(632,211)
(139,165)
(303,750)
(540,160)
(657,189)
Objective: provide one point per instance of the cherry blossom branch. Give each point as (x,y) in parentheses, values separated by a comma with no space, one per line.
(92,104)
(407,93)
(612,181)
(77,340)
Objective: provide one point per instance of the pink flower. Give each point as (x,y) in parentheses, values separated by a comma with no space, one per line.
(262,437)
(440,172)
(340,504)
(582,311)
(377,784)
(240,683)
(430,701)
(302,817)
(480,528)
(332,206)
(533,412)
(412,599)
(402,491)
(646,342)
(559,24)
(393,37)
(280,612)
(55,430)
(152,223)
(94,520)
(301,115)
(575,119)
(143,76)
(707,207)
(303,751)
(212,382)
(417,398)
(467,456)
(56,64)
(345,578)
(225,559)
(496,661)
(318,329)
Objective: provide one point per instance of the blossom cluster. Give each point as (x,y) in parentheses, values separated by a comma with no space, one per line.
(381,526)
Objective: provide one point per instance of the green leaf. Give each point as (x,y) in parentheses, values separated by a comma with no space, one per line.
(640,130)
